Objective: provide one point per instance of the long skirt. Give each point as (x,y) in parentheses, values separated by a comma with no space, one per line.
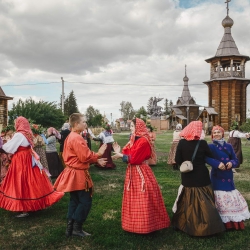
(26,188)
(107,154)
(54,163)
(196,212)
(236,144)
(172,152)
(153,161)
(232,207)
(41,152)
(143,209)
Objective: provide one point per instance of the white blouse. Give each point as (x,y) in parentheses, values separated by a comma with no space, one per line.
(17,140)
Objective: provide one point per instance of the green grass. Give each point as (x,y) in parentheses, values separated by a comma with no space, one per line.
(45,229)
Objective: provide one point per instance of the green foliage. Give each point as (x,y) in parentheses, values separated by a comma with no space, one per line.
(141,113)
(45,229)
(8,128)
(246,126)
(234,125)
(167,107)
(93,116)
(70,105)
(149,110)
(45,113)
(127,110)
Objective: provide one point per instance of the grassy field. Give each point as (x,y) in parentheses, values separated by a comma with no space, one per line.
(45,229)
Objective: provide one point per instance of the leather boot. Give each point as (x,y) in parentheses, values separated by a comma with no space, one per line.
(77,230)
(69,228)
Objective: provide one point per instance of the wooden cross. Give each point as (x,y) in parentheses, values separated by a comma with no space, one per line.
(227,1)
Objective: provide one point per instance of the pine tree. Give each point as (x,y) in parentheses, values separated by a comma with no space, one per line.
(70,105)
(149,110)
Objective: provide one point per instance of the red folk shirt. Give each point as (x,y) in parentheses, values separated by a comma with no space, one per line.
(139,152)
(77,157)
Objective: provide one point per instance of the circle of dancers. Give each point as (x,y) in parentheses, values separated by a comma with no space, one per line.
(206,204)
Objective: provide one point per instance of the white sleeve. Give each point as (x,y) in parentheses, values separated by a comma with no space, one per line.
(91,133)
(241,135)
(17,140)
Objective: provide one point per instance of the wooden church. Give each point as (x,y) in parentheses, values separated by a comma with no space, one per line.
(227,87)
(185,110)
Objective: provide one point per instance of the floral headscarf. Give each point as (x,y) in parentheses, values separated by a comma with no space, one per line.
(192,131)
(217,127)
(22,126)
(53,131)
(140,131)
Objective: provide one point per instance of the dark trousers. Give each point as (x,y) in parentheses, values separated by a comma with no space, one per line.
(79,205)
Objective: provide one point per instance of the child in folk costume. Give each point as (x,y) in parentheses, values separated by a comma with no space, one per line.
(87,134)
(106,137)
(143,209)
(172,152)
(26,186)
(75,178)
(53,159)
(231,205)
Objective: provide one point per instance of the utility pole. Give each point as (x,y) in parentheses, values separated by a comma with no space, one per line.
(62,95)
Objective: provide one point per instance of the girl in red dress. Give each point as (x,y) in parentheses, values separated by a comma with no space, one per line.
(26,186)
(143,209)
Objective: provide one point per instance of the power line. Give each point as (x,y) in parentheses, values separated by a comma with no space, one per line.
(99,83)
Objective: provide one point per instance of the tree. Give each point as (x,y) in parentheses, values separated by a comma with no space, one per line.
(45,113)
(127,110)
(166,107)
(149,106)
(93,116)
(70,105)
(170,103)
(141,113)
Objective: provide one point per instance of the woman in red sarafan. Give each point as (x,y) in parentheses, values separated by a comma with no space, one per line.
(143,209)
(26,186)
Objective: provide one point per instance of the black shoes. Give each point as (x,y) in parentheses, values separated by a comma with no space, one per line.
(77,230)
(69,228)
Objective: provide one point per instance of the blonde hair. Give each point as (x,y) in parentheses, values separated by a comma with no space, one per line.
(75,118)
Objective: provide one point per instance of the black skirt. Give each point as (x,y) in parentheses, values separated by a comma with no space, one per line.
(54,163)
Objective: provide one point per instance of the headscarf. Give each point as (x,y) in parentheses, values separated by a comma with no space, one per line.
(140,131)
(192,131)
(217,127)
(22,126)
(178,126)
(66,126)
(53,131)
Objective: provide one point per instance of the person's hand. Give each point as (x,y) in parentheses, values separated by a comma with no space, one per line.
(102,161)
(116,147)
(222,166)
(102,149)
(229,165)
(117,156)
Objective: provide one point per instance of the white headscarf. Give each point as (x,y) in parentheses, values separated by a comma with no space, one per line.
(66,126)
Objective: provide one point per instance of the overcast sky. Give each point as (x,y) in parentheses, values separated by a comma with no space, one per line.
(122,45)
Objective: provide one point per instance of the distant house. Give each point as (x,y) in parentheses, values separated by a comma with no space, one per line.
(4,108)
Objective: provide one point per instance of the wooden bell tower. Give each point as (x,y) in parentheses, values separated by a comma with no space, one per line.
(227,87)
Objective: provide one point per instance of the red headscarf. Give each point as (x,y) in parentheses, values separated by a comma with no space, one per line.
(217,127)
(22,126)
(192,131)
(141,131)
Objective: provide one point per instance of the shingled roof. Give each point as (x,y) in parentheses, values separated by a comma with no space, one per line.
(3,96)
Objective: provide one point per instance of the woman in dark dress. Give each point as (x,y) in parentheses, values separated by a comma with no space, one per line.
(194,210)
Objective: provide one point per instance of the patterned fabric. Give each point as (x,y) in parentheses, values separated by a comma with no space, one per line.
(217,127)
(192,131)
(172,152)
(53,131)
(231,206)
(22,125)
(143,209)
